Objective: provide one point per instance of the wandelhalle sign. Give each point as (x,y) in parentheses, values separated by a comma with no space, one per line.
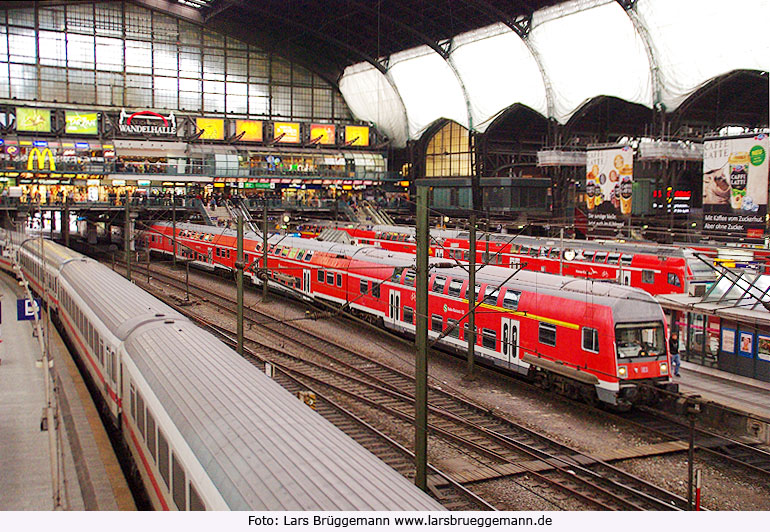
(147,123)
(735,177)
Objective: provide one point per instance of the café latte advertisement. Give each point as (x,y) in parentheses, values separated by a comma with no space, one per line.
(609,186)
(735,174)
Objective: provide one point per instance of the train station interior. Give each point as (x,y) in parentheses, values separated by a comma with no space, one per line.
(401,256)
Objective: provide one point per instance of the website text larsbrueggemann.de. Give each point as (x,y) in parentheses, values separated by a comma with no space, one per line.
(418,520)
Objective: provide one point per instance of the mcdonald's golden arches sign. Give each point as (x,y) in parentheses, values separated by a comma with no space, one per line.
(41,157)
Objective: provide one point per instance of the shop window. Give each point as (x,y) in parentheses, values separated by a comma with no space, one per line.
(648,276)
(590,340)
(547,334)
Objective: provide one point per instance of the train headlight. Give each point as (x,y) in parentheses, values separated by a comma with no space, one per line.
(663,368)
(622,372)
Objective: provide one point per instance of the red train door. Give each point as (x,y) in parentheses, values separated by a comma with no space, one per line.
(394,306)
(510,339)
(306,281)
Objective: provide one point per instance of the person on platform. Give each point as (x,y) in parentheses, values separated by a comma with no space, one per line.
(673,347)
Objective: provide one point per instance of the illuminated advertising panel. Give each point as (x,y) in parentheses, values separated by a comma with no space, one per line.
(213,128)
(79,123)
(322,134)
(357,135)
(251,129)
(29,119)
(609,186)
(286,132)
(735,175)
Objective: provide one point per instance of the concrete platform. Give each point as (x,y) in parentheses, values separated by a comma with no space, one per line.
(734,391)
(90,475)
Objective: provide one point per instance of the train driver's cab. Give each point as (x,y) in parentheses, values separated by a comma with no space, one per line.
(641,350)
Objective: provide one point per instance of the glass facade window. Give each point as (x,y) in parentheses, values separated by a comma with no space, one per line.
(448,153)
(119,54)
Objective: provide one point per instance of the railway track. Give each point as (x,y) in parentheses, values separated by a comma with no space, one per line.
(500,448)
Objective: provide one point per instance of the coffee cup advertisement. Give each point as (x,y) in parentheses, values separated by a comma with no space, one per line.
(609,186)
(735,179)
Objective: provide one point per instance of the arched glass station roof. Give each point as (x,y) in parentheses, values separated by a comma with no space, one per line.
(652,52)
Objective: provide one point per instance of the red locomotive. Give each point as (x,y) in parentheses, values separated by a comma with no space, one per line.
(656,269)
(594,340)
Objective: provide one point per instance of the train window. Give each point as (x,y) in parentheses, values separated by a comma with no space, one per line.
(590,340)
(613,258)
(673,279)
(180,483)
(300,254)
(140,413)
(546,334)
(196,504)
(478,291)
(320,276)
(113,365)
(293,253)
(466,255)
(101,351)
(600,256)
(491,297)
(228,253)
(625,260)
(217,252)
(397,273)
(376,290)
(409,315)
(555,253)
(438,284)
(511,299)
(648,276)
(588,256)
(151,434)
(163,456)
(455,285)
(132,400)
(454,328)
(436,323)
(308,256)
(364,287)
(284,252)
(330,278)
(489,338)
(409,277)
(339,279)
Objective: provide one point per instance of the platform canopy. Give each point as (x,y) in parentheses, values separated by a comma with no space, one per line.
(648,52)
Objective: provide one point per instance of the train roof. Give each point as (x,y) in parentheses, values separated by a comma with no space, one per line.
(117,302)
(262,448)
(56,255)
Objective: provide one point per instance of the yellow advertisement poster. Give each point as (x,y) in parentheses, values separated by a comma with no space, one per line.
(29,119)
(213,128)
(357,135)
(322,133)
(251,129)
(286,132)
(79,123)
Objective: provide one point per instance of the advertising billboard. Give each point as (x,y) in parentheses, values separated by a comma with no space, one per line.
(251,129)
(213,128)
(29,119)
(609,186)
(146,123)
(322,133)
(735,175)
(80,123)
(357,135)
(286,132)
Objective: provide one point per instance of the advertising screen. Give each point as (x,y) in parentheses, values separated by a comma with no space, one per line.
(735,174)
(324,132)
(289,130)
(29,119)
(357,135)
(251,129)
(609,186)
(79,123)
(213,128)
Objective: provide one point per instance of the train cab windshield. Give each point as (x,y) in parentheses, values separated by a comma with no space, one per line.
(640,339)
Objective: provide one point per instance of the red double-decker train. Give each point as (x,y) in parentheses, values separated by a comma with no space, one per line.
(654,268)
(595,340)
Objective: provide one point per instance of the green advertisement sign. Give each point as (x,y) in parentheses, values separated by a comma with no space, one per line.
(79,123)
(29,119)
